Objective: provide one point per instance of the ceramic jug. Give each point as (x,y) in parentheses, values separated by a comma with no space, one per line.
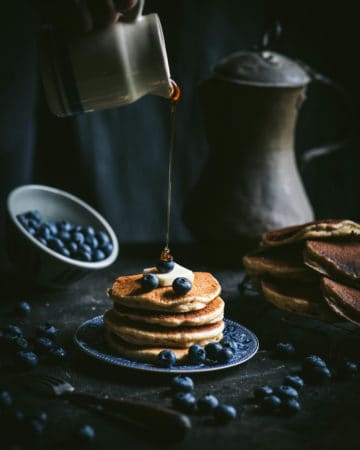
(251,182)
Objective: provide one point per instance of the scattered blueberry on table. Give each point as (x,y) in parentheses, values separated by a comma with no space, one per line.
(207,403)
(290,406)
(348,370)
(284,350)
(262,391)
(224,413)
(184,401)
(47,330)
(182,383)
(286,392)
(294,381)
(5,399)
(65,237)
(270,403)
(86,434)
(23,308)
(27,360)
(315,370)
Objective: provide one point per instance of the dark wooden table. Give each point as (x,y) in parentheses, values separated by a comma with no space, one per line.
(329,416)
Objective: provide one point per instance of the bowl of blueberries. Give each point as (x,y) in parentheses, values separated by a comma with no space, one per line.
(54,238)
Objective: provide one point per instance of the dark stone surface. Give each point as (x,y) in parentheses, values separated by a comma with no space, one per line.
(329,415)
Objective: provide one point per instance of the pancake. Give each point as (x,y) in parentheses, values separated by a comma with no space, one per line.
(343,300)
(278,262)
(305,299)
(144,354)
(127,291)
(339,260)
(321,229)
(155,336)
(211,313)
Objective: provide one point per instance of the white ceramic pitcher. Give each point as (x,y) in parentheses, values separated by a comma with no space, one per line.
(106,68)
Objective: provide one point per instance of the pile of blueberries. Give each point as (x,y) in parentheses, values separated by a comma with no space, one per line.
(214,352)
(27,352)
(150,281)
(183,399)
(284,399)
(66,238)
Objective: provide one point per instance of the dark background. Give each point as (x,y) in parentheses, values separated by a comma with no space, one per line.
(117,160)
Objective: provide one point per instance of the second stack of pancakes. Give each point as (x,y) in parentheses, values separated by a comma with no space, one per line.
(143,323)
(311,269)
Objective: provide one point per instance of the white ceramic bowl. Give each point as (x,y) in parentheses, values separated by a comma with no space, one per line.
(34,260)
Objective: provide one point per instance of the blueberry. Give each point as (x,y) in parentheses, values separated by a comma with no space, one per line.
(35,427)
(225,355)
(72,247)
(86,434)
(19,343)
(55,244)
(227,342)
(165,266)
(182,383)
(290,406)
(78,229)
(42,240)
(31,231)
(103,238)
(348,370)
(15,417)
(285,391)
(166,358)
(184,401)
(149,282)
(284,350)
(98,255)
(295,381)
(47,330)
(65,236)
(41,416)
(27,359)
(52,227)
(13,330)
(207,403)
(5,399)
(224,413)
(196,354)
(23,308)
(78,238)
(270,403)
(89,231)
(83,256)
(181,285)
(212,350)
(64,225)
(65,252)
(313,361)
(33,224)
(23,220)
(33,215)
(92,242)
(43,344)
(57,354)
(85,248)
(107,249)
(262,391)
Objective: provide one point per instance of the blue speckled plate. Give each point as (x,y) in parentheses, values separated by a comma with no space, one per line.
(90,338)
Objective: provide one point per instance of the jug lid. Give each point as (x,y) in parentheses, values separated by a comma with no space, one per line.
(262,68)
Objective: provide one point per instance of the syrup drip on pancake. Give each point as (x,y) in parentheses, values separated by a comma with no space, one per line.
(174,97)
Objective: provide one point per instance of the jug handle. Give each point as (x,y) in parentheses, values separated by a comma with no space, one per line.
(135,13)
(326,149)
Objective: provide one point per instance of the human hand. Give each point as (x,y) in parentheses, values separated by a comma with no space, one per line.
(82,16)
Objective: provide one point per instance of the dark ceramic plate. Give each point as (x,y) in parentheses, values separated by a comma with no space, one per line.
(90,338)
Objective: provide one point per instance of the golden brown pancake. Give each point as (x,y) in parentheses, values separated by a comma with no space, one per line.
(211,313)
(300,298)
(343,300)
(127,291)
(339,260)
(278,262)
(155,336)
(321,229)
(144,354)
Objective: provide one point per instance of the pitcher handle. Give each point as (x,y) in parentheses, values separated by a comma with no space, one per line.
(315,152)
(135,13)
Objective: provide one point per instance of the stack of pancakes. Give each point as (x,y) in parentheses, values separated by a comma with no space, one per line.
(143,323)
(311,269)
